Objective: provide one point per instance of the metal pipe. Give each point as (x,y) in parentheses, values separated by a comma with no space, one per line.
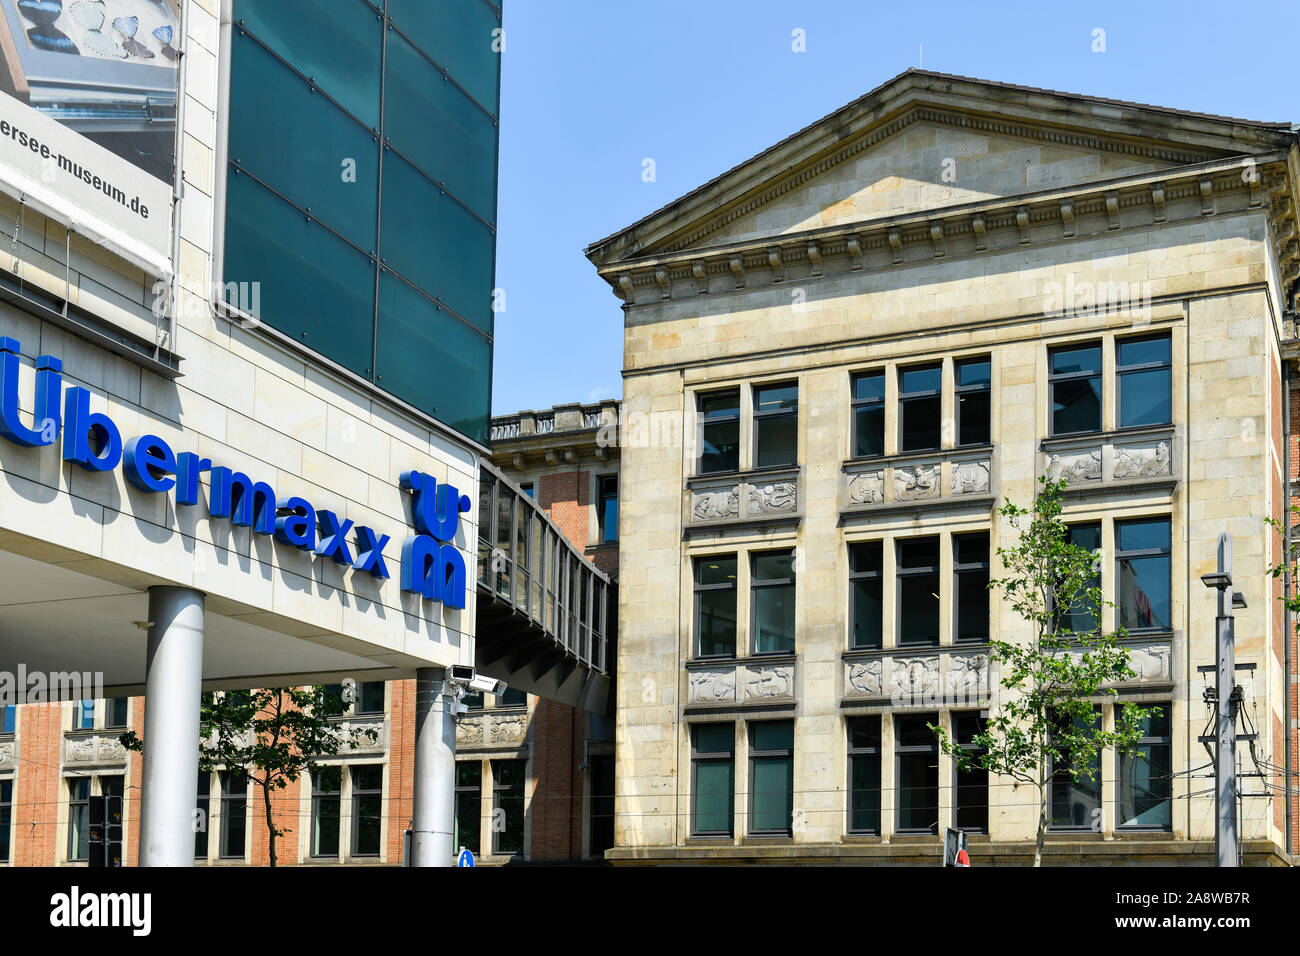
(173,685)
(178,184)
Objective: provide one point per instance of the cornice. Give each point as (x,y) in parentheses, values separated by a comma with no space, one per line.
(1189,192)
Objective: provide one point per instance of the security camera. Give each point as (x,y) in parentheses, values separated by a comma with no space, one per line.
(459,709)
(487,685)
(462,673)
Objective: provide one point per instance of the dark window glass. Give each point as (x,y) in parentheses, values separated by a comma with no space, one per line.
(6,818)
(918,591)
(234,813)
(1075,803)
(868,414)
(607,508)
(326,809)
(972,785)
(602,804)
(469,801)
(1145,778)
(715,606)
(776,425)
(8,719)
(864,774)
(115,712)
(772,595)
(866,581)
(473,699)
(918,772)
(919,407)
(1083,616)
(367,809)
(202,816)
(1143,573)
(310,175)
(458,37)
(1143,370)
(1074,373)
(527,489)
(973,396)
(508,791)
(370,697)
(771,776)
(79,818)
(713,766)
(338,45)
(719,415)
(971,569)
(512,698)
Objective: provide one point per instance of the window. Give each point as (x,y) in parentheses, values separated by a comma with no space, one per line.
(78,818)
(1074,373)
(918,773)
(508,796)
(512,698)
(776,425)
(1142,369)
(715,606)
(1082,617)
(1143,578)
(868,414)
(326,810)
(974,386)
(469,800)
(918,591)
(84,718)
(8,719)
(972,803)
(772,593)
(607,508)
(1075,798)
(115,712)
(866,581)
(1145,779)
(367,808)
(527,488)
(202,815)
(771,776)
(920,408)
(234,814)
(864,774)
(719,432)
(971,569)
(6,818)
(370,698)
(713,783)
(473,699)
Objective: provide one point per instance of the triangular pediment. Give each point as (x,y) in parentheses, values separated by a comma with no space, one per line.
(927,141)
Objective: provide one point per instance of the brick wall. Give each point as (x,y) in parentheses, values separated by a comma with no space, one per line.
(36,785)
(401,764)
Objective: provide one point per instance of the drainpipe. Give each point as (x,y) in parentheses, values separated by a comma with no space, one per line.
(221,158)
(178,186)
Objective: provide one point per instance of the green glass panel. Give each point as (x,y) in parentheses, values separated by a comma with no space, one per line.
(714,738)
(312,286)
(432,241)
(457,34)
(437,127)
(774,735)
(774,619)
(714,796)
(432,360)
(301,145)
(773,793)
(339,43)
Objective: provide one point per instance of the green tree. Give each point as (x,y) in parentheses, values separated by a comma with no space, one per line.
(1044,713)
(270,736)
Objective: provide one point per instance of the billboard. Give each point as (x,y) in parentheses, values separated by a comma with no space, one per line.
(88,94)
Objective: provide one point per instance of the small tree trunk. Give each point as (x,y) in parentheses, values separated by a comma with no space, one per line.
(270,824)
(1042,815)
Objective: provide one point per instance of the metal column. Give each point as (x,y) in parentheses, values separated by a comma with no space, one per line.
(434,813)
(1225,754)
(173,685)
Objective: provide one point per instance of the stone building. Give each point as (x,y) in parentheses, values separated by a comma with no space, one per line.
(841,356)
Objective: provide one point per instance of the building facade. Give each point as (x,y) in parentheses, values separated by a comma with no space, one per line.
(841,357)
(229,375)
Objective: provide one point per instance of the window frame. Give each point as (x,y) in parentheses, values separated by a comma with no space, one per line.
(603,482)
(712,756)
(861,404)
(502,791)
(7,787)
(203,803)
(761,417)
(868,752)
(959,390)
(968,747)
(1053,378)
(227,799)
(469,792)
(970,567)
(1123,371)
(1167,741)
(734,587)
(318,799)
(757,584)
(355,813)
(1166,552)
(756,755)
(901,573)
(1096,780)
(855,577)
(79,809)
(902,751)
(703,423)
(929,394)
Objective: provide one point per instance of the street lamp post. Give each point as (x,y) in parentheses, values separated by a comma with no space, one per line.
(1225,757)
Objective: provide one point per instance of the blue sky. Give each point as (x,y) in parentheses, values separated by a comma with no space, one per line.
(591,89)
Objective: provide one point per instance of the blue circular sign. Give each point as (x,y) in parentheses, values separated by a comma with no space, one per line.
(466,858)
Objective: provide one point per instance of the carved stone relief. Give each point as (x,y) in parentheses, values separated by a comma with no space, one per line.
(1151,662)
(1142,461)
(81,748)
(867,488)
(6,753)
(111,749)
(1075,466)
(913,482)
(867,677)
(469,732)
(915,678)
(968,673)
(710,686)
(970,477)
(776,681)
(722,503)
(508,729)
(773,498)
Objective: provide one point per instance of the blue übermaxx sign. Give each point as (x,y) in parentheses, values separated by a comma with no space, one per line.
(432,566)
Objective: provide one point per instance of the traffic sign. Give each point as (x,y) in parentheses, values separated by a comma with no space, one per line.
(466,858)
